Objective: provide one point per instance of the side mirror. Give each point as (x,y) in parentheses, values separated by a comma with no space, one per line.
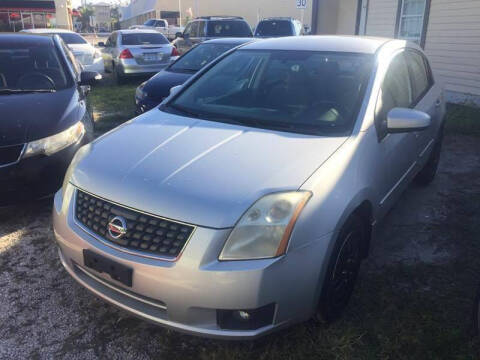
(402,120)
(174,90)
(89,77)
(101,44)
(178,35)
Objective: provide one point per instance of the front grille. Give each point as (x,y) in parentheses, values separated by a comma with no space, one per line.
(145,233)
(10,154)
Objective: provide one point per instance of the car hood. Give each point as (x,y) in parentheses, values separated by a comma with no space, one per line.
(196,171)
(28,117)
(158,87)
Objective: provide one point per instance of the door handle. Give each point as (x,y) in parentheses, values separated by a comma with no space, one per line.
(438,103)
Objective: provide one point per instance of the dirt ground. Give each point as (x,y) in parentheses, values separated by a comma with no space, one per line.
(413,299)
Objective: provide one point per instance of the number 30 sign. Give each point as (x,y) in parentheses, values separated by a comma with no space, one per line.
(301,4)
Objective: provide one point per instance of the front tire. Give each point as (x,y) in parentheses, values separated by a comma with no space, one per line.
(427,174)
(342,271)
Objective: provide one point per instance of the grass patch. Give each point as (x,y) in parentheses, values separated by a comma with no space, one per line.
(462,119)
(113,104)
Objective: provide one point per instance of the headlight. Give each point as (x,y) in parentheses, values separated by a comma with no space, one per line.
(139,93)
(52,144)
(264,230)
(79,155)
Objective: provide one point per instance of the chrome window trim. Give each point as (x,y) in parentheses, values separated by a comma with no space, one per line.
(121,248)
(19,157)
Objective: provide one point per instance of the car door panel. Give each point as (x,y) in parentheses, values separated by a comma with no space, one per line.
(397,153)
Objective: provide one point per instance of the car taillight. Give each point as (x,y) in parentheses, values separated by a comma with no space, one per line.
(126,54)
(175,52)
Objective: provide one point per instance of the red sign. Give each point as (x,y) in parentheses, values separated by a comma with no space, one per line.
(14,16)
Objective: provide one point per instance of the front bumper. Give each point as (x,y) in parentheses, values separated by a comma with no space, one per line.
(35,177)
(185,295)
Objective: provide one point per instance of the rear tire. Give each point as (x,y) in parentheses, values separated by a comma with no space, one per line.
(119,78)
(427,174)
(342,271)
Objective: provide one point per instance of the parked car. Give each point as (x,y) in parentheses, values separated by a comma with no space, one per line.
(162,26)
(89,57)
(44,114)
(152,92)
(248,200)
(211,27)
(278,27)
(136,52)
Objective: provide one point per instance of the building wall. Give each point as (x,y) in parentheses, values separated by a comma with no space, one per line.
(452,42)
(453,46)
(63,17)
(382,16)
(251,10)
(102,15)
(346,17)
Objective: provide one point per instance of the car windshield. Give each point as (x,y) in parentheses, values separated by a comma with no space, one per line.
(200,56)
(274,28)
(144,39)
(228,28)
(70,38)
(32,66)
(306,92)
(150,22)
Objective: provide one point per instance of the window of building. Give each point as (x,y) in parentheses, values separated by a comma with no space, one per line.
(411,20)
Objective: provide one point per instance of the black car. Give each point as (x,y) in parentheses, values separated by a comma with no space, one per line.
(278,27)
(44,114)
(152,92)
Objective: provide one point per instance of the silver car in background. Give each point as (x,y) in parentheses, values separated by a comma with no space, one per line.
(136,52)
(247,201)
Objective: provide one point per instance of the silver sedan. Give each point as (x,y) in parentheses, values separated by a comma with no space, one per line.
(136,52)
(248,200)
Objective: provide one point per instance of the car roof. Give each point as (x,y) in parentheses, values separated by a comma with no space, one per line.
(353,44)
(236,41)
(278,18)
(48,31)
(132,31)
(25,39)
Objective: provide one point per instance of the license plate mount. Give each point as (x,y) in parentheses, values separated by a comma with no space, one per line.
(150,56)
(101,264)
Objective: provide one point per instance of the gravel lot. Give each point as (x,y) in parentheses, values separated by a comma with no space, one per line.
(425,254)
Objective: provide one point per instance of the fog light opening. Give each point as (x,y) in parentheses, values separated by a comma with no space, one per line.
(251,319)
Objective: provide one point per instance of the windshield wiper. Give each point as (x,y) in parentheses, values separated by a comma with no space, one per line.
(181,110)
(25,91)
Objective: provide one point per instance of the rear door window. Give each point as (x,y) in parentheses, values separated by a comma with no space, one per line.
(419,74)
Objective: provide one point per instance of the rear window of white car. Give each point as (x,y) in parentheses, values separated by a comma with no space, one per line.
(144,39)
(69,38)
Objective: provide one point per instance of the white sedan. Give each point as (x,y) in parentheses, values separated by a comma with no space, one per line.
(90,58)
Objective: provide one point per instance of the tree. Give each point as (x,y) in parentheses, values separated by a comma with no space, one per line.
(85,13)
(115,16)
